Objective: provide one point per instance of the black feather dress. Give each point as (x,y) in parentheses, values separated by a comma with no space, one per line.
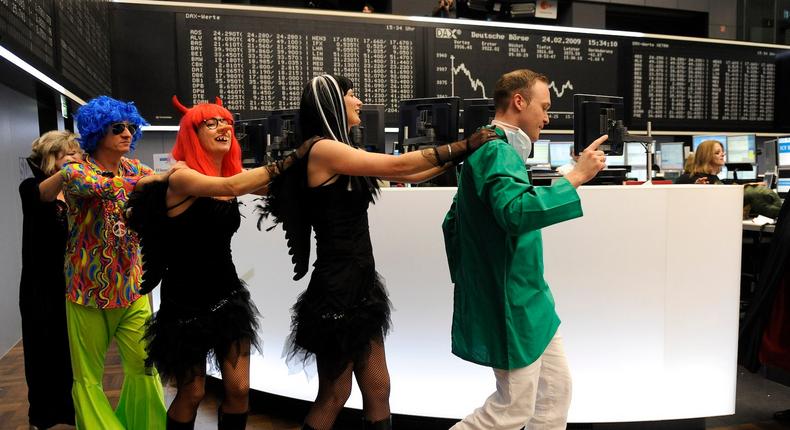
(345,305)
(205,308)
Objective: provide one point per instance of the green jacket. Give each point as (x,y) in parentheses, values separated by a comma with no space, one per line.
(504,313)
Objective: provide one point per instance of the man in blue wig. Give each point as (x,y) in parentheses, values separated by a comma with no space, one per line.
(103,271)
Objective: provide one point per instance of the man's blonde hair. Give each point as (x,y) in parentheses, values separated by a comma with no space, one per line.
(518,81)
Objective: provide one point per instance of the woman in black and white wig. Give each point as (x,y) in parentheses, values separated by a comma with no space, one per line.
(343,316)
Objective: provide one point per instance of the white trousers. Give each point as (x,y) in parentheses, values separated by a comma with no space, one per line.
(537,396)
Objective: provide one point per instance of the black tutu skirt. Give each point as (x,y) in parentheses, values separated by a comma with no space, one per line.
(181,338)
(338,332)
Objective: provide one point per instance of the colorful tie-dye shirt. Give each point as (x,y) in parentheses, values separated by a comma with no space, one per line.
(102,256)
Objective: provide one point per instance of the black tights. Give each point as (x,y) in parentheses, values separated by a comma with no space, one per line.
(235,378)
(374,382)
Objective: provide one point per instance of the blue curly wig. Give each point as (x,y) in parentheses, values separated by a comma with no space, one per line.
(94,117)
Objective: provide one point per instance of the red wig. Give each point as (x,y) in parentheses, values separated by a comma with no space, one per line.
(188,147)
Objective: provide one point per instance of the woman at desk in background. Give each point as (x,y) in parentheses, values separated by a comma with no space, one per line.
(708,161)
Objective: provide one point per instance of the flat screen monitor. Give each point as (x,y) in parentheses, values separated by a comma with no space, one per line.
(253,137)
(540,154)
(477,113)
(428,121)
(783,186)
(593,115)
(615,160)
(560,153)
(766,156)
(696,140)
(672,156)
(635,155)
(725,173)
(748,175)
(284,131)
(783,151)
(741,149)
(369,134)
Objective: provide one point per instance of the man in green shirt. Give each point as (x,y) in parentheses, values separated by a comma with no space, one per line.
(504,315)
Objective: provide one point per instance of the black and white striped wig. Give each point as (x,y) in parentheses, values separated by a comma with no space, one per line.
(322,110)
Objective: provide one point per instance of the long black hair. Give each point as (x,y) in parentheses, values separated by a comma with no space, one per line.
(322,110)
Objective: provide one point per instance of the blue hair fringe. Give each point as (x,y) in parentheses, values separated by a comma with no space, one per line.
(94,117)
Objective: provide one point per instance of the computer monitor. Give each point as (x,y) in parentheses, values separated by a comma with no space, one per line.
(428,121)
(560,153)
(369,134)
(253,137)
(283,132)
(783,151)
(748,175)
(696,140)
(615,160)
(540,154)
(477,113)
(783,187)
(741,149)
(594,116)
(671,156)
(766,156)
(635,155)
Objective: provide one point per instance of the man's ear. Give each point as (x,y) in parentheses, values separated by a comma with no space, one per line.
(518,102)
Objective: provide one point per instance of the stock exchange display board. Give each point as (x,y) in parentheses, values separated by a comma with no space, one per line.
(259,60)
(466,61)
(702,86)
(258,64)
(67,40)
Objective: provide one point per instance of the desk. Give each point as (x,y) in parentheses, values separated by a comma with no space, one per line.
(646,284)
(749,225)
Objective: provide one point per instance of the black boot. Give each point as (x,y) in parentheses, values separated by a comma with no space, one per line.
(226,421)
(177,425)
(385,424)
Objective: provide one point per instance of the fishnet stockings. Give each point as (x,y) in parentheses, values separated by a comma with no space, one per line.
(374,383)
(235,370)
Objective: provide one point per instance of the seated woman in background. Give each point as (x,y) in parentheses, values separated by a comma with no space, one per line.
(707,163)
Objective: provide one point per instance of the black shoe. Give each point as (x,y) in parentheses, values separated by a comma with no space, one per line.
(782,416)
(385,424)
(226,421)
(177,425)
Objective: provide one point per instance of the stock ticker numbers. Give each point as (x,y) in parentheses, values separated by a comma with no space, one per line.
(467,61)
(678,84)
(261,63)
(30,24)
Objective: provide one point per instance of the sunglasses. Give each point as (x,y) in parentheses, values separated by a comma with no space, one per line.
(119,127)
(213,123)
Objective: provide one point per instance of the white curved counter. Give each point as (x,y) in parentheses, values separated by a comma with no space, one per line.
(646,284)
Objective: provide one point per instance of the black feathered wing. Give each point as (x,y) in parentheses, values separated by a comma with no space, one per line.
(146,214)
(286,203)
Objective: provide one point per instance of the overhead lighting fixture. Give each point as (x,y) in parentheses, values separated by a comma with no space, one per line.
(24,65)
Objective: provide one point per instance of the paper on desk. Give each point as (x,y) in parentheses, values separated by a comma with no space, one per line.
(763,220)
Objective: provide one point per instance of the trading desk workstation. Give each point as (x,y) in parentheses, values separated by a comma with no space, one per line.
(650,323)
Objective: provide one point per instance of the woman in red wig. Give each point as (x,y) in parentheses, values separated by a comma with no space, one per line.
(208,312)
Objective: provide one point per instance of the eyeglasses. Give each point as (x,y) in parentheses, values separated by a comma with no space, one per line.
(213,123)
(119,127)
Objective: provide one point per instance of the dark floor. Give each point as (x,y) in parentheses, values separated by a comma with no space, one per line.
(757,399)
